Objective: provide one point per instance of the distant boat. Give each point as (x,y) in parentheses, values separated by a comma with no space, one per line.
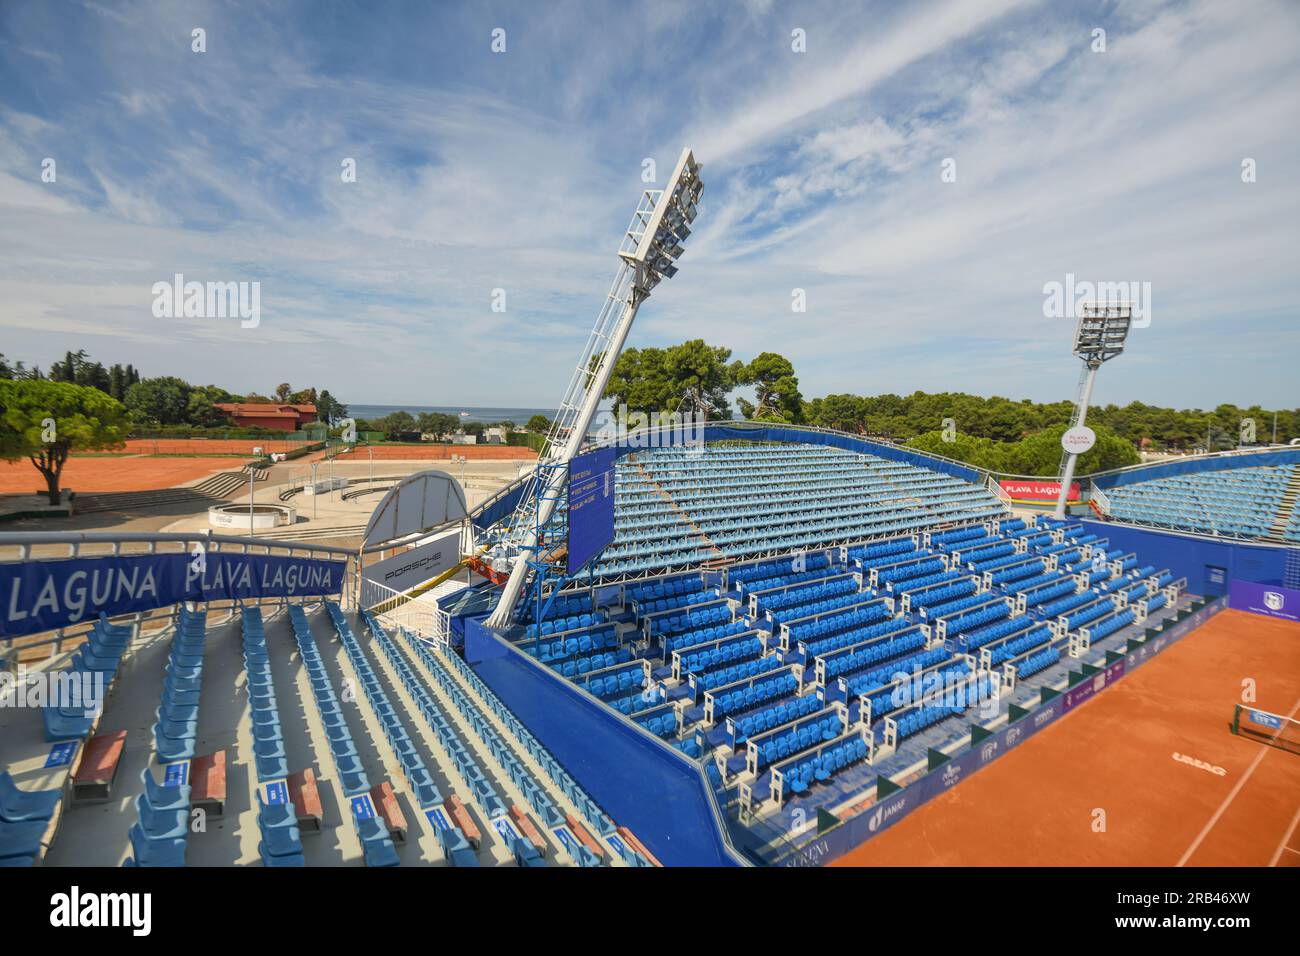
(464,414)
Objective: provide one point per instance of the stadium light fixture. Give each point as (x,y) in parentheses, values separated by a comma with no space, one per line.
(648,251)
(1099,337)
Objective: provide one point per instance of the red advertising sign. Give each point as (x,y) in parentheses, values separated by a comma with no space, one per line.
(1033,490)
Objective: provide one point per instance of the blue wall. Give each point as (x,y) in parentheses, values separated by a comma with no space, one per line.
(1194,557)
(642,784)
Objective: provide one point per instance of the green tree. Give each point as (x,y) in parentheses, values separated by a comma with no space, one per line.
(200,406)
(396,424)
(329,409)
(775,387)
(693,377)
(437,423)
(164,400)
(45,421)
(1037,454)
(540,424)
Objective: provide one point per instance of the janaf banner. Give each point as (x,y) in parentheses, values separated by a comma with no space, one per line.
(45,595)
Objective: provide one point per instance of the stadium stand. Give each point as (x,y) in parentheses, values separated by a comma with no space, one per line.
(1247,503)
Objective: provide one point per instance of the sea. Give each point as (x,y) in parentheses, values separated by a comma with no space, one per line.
(489,416)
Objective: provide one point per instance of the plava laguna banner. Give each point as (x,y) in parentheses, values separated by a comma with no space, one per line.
(1030,490)
(44,595)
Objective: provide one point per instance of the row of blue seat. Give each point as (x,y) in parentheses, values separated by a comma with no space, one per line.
(973,619)
(269,757)
(908,572)
(659,605)
(1020,645)
(88,677)
(851,620)
(741,648)
(798,777)
(689,620)
(1036,662)
(621,681)
(557,774)
(737,672)
(882,676)
(559,625)
(776,715)
(872,554)
(786,580)
(578,666)
(662,588)
(679,642)
(821,607)
(376,845)
(850,662)
(752,572)
(803,595)
(399,739)
(760,692)
(790,742)
(176,720)
(826,645)
(953,607)
(24,817)
(560,648)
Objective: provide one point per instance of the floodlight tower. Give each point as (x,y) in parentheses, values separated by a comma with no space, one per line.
(1098,338)
(652,242)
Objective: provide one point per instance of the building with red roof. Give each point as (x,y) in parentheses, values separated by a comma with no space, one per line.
(285,418)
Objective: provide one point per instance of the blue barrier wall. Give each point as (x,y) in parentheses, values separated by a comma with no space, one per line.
(640,782)
(1208,565)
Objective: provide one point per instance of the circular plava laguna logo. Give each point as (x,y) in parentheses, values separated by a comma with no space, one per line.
(1079,440)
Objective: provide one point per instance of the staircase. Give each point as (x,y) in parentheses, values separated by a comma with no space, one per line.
(210,490)
(1277,531)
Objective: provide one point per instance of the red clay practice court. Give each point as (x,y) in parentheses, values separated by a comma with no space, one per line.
(1039,804)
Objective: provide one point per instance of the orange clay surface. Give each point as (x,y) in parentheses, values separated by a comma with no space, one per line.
(441,453)
(91,475)
(1036,806)
(208,446)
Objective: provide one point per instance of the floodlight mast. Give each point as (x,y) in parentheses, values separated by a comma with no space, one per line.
(1098,338)
(652,242)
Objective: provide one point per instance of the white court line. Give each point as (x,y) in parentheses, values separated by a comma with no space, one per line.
(1227,801)
(1277,854)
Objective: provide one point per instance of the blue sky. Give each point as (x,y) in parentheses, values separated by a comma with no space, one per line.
(519,170)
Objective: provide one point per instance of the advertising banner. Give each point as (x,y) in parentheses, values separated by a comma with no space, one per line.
(1270,600)
(40,596)
(1031,489)
(591,506)
(1091,685)
(415,565)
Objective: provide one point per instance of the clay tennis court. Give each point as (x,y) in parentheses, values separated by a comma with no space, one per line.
(1036,806)
(208,446)
(440,453)
(93,475)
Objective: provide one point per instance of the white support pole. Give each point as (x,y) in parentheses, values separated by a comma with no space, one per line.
(577,434)
(1068,475)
